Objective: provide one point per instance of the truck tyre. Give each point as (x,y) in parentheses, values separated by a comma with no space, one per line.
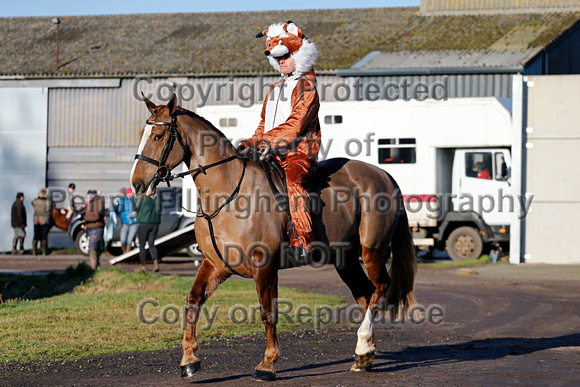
(82,243)
(113,250)
(464,244)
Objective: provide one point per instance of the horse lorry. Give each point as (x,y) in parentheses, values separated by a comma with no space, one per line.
(431,148)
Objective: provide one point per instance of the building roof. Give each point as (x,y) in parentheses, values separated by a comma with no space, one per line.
(224,44)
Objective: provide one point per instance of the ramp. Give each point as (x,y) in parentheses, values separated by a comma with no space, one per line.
(166,245)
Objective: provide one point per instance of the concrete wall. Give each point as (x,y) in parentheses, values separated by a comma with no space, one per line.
(552,160)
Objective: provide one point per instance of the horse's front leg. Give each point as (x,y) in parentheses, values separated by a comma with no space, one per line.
(266,280)
(206,282)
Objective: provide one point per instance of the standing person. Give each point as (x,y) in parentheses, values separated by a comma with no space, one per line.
(129,226)
(148,218)
(70,205)
(42,219)
(95,225)
(18,220)
(290,123)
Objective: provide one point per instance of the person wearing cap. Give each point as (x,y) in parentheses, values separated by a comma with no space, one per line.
(95,225)
(70,204)
(129,225)
(18,220)
(289,122)
(42,219)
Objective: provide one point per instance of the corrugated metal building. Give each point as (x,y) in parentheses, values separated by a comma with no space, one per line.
(93,108)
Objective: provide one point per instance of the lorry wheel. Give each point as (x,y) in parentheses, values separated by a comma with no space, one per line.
(114,251)
(464,243)
(82,243)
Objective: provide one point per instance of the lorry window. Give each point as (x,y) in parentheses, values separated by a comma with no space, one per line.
(501,170)
(478,165)
(329,120)
(397,151)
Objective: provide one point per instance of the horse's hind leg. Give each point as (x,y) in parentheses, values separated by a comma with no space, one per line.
(374,262)
(206,282)
(353,275)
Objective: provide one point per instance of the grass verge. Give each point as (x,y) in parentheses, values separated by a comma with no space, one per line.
(483,260)
(99,315)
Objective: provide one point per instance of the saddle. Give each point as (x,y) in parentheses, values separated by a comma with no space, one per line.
(277,181)
(274,173)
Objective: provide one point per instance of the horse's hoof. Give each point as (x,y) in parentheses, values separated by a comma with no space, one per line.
(363,363)
(188,370)
(264,375)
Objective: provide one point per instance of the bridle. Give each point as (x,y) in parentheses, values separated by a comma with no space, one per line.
(164,174)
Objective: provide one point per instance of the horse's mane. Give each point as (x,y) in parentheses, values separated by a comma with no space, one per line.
(204,121)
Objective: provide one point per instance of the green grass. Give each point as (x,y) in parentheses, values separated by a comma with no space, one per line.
(99,315)
(483,260)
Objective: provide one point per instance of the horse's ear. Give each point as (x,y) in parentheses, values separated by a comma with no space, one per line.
(150,105)
(172,104)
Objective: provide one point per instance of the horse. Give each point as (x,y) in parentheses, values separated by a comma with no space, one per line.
(222,177)
(59,219)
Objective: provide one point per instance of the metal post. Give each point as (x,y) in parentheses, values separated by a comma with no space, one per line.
(56,20)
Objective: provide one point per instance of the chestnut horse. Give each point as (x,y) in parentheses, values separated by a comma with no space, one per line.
(344,193)
(59,219)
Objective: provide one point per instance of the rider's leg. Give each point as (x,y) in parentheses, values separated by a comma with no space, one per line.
(296,179)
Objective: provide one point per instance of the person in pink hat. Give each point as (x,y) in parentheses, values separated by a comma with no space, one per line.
(129,224)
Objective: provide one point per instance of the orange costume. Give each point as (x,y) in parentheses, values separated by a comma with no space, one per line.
(290,121)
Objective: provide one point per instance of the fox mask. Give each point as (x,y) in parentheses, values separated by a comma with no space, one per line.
(287,38)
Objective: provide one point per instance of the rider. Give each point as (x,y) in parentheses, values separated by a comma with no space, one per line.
(289,121)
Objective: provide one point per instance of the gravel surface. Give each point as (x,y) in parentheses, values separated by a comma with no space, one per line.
(502,325)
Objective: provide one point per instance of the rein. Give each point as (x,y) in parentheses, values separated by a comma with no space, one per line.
(164,174)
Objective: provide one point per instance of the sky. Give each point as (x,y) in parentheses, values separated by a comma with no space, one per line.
(112,7)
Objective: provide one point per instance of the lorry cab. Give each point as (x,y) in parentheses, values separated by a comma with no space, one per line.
(480,183)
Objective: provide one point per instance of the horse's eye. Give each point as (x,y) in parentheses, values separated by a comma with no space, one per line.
(158,137)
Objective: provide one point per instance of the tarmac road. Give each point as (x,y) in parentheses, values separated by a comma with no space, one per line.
(504,325)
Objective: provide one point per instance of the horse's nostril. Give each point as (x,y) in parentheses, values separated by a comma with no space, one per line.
(139,187)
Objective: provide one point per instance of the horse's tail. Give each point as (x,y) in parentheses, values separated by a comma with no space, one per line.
(403,268)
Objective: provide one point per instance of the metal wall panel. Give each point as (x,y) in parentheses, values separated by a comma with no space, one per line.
(553,139)
(22,154)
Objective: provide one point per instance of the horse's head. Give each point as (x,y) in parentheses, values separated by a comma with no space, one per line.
(157,154)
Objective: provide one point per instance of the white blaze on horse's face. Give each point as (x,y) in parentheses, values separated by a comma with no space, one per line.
(146,134)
